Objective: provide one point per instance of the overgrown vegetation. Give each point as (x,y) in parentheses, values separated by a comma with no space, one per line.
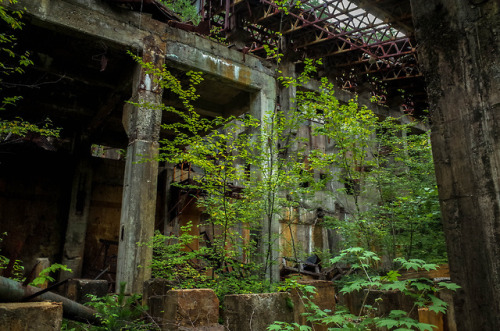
(13,62)
(372,287)
(250,173)
(185,9)
(15,270)
(247,173)
(116,312)
(387,191)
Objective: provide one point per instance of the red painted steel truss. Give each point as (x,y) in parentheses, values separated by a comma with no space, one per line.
(352,42)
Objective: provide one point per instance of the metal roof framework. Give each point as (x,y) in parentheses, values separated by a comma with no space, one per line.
(358,46)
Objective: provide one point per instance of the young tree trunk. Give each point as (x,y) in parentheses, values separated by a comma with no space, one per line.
(460,54)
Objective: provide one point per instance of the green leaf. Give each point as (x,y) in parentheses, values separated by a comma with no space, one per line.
(397,285)
(449,286)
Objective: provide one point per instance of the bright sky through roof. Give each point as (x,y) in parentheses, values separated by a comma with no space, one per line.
(355,17)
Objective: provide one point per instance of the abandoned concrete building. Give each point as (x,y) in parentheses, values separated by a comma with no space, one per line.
(75,200)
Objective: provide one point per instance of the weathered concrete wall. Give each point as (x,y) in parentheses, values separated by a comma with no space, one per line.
(459,51)
(35,187)
(104,215)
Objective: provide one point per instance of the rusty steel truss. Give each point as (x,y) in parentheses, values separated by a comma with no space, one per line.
(353,42)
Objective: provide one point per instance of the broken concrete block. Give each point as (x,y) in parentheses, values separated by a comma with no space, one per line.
(41,263)
(77,289)
(324,298)
(154,296)
(196,310)
(32,316)
(250,312)
(430,317)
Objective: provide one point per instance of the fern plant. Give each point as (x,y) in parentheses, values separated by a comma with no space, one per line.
(367,280)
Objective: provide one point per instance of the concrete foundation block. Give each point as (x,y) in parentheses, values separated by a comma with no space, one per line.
(391,300)
(32,316)
(324,298)
(77,289)
(250,312)
(449,318)
(154,296)
(430,317)
(196,309)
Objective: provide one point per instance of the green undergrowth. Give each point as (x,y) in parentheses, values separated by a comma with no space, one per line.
(371,284)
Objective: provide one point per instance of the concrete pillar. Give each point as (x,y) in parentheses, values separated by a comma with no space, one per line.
(287,105)
(142,124)
(74,244)
(459,47)
(167,197)
(262,105)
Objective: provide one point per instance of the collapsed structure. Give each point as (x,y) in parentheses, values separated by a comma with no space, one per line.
(59,201)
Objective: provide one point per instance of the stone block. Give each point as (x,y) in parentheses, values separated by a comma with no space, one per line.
(154,296)
(41,263)
(324,298)
(251,312)
(77,289)
(430,317)
(449,319)
(196,309)
(391,300)
(32,316)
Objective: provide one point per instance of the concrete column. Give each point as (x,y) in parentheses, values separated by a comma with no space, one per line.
(142,123)
(287,105)
(262,105)
(168,212)
(459,47)
(74,244)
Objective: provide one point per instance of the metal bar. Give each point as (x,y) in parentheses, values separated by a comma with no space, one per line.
(34,295)
(102,273)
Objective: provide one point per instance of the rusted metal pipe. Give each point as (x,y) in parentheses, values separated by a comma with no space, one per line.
(12,291)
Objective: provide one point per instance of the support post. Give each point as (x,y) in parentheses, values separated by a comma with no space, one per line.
(142,123)
(459,47)
(262,105)
(74,243)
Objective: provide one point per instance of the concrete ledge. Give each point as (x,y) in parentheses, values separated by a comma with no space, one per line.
(33,316)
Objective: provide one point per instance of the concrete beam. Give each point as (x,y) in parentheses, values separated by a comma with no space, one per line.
(94,18)
(188,51)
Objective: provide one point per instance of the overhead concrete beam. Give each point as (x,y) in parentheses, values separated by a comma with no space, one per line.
(94,18)
(188,51)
